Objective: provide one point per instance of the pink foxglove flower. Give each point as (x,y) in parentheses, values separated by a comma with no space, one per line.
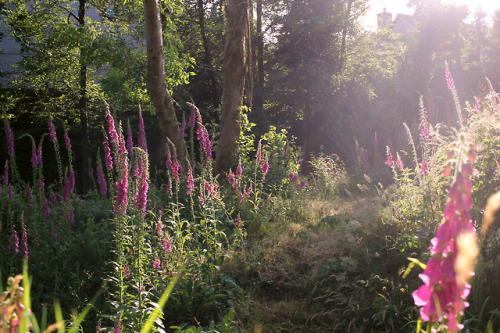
(52,131)
(6,173)
(168,161)
(238,222)
(9,136)
(265,165)
(46,209)
(192,117)
(231,178)
(121,185)
(175,169)
(399,162)
(34,156)
(24,241)
(442,296)
(142,133)
(389,161)
(424,167)
(142,178)
(258,156)
(108,160)
(190,181)
(113,135)
(14,241)
(239,170)
(449,78)
(101,180)
(67,140)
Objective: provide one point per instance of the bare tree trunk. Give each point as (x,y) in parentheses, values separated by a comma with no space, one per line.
(157,87)
(259,99)
(345,30)
(237,27)
(214,93)
(248,93)
(82,106)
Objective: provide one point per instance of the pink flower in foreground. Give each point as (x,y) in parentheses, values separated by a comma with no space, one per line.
(443,294)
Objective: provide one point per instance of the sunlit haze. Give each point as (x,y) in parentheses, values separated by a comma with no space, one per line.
(399,7)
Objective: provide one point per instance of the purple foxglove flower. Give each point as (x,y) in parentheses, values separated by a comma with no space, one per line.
(9,136)
(67,140)
(424,167)
(142,133)
(442,296)
(101,180)
(239,170)
(190,181)
(6,173)
(175,169)
(192,117)
(52,130)
(265,165)
(107,155)
(113,135)
(389,161)
(449,78)
(14,241)
(399,162)
(34,156)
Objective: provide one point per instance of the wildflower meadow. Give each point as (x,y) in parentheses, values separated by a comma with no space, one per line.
(272,244)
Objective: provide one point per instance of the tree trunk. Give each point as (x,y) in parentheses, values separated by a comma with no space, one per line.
(345,30)
(237,27)
(84,119)
(214,93)
(157,87)
(248,93)
(259,98)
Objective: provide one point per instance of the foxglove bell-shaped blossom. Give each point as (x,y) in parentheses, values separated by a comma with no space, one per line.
(443,294)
